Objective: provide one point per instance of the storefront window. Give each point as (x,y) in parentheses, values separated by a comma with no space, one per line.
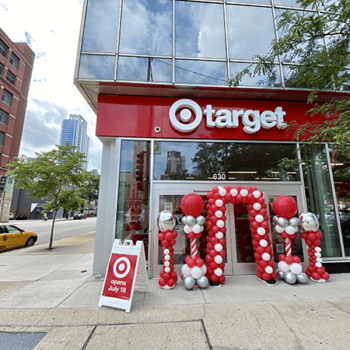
(199,30)
(223,161)
(97,67)
(319,196)
(341,175)
(146,27)
(133,192)
(101,26)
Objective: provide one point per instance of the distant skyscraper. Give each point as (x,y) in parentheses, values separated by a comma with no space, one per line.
(73,131)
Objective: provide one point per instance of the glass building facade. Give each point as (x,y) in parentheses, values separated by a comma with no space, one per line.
(167,50)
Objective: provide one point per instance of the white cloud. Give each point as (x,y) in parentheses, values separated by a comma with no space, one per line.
(52,29)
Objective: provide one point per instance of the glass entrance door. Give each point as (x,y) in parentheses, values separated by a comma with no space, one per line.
(239,249)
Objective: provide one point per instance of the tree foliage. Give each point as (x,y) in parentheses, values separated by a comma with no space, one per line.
(314,42)
(57,176)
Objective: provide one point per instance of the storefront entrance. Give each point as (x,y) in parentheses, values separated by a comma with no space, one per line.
(240,255)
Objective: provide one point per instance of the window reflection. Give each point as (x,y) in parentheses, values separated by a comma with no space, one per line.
(232,161)
(199,30)
(272,79)
(97,67)
(245,40)
(133,193)
(341,175)
(318,189)
(146,27)
(144,69)
(200,72)
(101,26)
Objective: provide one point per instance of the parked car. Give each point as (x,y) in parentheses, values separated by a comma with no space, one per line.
(12,237)
(21,217)
(79,216)
(11,216)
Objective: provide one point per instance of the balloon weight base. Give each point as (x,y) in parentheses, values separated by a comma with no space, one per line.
(215,284)
(269,282)
(318,281)
(167,287)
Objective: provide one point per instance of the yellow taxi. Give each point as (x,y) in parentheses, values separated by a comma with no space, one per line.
(12,237)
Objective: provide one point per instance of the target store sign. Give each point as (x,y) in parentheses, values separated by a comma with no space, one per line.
(120,276)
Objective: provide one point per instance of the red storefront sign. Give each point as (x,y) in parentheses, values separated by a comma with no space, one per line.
(223,119)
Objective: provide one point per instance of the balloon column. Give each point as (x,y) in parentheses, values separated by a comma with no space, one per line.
(217,200)
(309,224)
(167,236)
(193,272)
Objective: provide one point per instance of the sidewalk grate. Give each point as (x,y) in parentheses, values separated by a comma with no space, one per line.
(20,340)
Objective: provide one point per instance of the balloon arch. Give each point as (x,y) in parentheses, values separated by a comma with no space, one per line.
(195,272)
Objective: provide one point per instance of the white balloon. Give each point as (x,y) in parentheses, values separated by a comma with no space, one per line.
(318,264)
(167,257)
(196,228)
(259,218)
(318,249)
(220,223)
(219,203)
(283,266)
(261,231)
(218,272)
(185,270)
(219,214)
(167,269)
(167,263)
(263,243)
(187,229)
(257,206)
(319,260)
(268,269)
(196,272)
(202,228)
(219,235)
(318,255)
(234,192)
(290,230)
(244,193)
(296,268)
(218,247)
(166,251)
(222,191)
(204,270)
(218,259)
(279,229)
(266,256)
(256,194)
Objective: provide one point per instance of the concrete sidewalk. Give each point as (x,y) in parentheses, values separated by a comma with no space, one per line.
(49,300)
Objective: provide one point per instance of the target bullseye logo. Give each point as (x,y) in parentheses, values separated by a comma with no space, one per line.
(187,106)
(123,266)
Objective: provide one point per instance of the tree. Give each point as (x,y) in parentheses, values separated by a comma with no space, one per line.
(57,176)
(316,41)
(91,188)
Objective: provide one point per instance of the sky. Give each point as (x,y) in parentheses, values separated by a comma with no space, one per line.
(51,28)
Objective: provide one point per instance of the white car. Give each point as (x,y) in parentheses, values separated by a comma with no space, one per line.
(11,216)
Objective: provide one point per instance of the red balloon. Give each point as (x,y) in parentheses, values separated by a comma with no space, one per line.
(171,282)
(281,257)
(166,277)
(263,263)
(214,278)
(274,275)
(192,204)
(296,259)
(289,260)
(266,276)
(222,279)
(326,276)
(285,206)
(162,282)
(315,276)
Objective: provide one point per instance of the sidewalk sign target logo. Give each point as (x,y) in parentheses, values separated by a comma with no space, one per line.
(120,276)
(121,267)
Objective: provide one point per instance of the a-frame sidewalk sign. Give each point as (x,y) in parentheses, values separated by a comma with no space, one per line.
(126,271)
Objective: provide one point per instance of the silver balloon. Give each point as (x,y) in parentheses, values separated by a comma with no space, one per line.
(309,221)
(183,276)
(302,278)
(166,220)
(200,220)
(189,282)
(282,222)
(290,277)
(295,222)
(202,282)
(183,220)
(190,220)
(280,275)
(274,219)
